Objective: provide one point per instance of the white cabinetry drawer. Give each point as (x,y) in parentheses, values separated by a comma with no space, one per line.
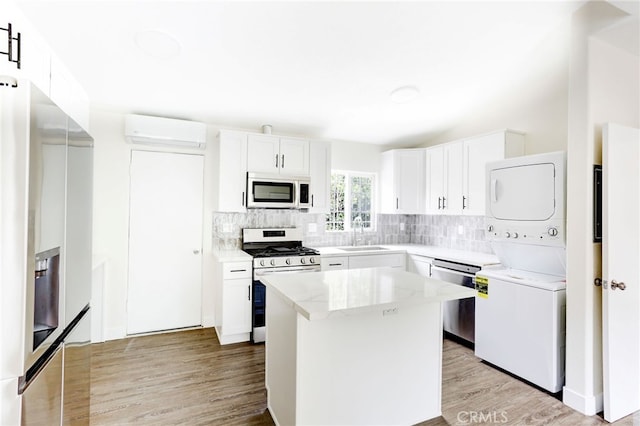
(377,260)
(332,263)
(233,270)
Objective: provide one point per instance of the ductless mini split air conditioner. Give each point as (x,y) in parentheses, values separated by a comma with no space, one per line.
(168,132)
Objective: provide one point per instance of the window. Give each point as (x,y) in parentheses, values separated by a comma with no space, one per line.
(351,201)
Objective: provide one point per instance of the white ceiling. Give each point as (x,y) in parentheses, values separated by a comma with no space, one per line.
(320,69)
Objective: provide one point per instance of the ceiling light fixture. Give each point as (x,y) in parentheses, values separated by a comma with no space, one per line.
(157,44)
(404,94)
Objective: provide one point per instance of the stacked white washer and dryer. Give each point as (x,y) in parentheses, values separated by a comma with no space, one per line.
(520,307)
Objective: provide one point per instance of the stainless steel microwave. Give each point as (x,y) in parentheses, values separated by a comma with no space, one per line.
(277,192)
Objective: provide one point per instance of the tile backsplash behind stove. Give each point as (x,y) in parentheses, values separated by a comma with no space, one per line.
(459,232)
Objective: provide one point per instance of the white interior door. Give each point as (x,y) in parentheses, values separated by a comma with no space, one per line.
(165,241)
(621,264)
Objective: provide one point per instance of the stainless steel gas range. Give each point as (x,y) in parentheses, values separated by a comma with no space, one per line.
(274,251)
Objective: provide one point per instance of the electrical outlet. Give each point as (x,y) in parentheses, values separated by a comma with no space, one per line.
(460,229)
(402,226)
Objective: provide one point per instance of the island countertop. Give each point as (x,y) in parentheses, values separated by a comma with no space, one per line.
(321,295)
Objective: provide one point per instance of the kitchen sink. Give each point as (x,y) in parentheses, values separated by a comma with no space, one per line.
(362,248)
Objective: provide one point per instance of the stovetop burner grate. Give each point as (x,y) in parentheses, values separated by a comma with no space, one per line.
(282,251)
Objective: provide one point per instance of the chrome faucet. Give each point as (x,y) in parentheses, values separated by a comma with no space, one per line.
(358,228)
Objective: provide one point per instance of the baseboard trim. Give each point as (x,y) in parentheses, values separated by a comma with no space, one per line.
(233,338)
(587,405)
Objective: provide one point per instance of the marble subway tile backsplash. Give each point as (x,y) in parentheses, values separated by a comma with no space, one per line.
(443,231)
(457,232)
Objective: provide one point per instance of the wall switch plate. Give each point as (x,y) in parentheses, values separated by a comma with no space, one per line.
(402,226)
(460,229)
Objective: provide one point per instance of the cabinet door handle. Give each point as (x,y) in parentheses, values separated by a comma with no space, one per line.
(276,161)
(282,161)
(439,202)
(397,204)
(464,199)
(238,270)
(242,198)
(444,205)
(335,264)
(311,200)
(249,292)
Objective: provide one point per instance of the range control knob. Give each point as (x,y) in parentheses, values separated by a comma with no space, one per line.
(507,234)
(312,260)
(262,262)
(303,260)
(288,261)
(515,235)
(273,262)
(553,232)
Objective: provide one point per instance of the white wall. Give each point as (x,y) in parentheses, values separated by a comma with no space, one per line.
(535,103)
(603,87)
(355,156)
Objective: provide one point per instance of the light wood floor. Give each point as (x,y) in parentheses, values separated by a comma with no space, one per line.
(188,378)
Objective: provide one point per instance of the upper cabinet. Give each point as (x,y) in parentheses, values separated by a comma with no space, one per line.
(241,152)
(319,176)
(456,171)
(41,66)
(232,169)
(402,180)
(444,179)
(278,155)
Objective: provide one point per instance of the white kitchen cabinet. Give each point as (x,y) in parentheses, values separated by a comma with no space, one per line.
(444,178)
(456,171)
(39,65)
(394,260)
(232,171)
(334,263)
(233,301)
(277,155)
(420,265)
(35,55)
(67,93)
(402,180)
(320,176)
(478,152)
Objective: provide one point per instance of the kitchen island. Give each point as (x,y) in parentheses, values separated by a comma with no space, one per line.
(360,346)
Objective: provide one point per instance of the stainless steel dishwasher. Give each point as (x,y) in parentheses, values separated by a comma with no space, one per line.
(458,315)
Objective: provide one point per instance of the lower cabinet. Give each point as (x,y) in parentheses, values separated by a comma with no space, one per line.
(420,265)
(333,263)
(233,301)
(394,260)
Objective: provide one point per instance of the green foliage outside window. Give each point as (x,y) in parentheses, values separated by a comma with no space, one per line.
(351,197)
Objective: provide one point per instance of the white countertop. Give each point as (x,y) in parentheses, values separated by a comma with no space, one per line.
(320,295)
(232,256)
(462,256)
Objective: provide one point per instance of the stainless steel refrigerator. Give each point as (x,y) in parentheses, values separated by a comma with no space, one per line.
(46,167)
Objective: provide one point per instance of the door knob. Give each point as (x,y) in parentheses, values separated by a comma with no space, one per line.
(196,251)
(615,284)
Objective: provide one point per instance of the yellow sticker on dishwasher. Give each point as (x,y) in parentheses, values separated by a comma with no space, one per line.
(482,287)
